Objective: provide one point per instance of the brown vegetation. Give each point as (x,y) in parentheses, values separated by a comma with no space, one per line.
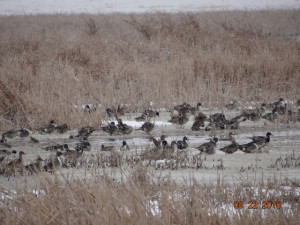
(50,63)
(145,199)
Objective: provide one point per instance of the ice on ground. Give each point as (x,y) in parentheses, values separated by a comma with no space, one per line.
(21,7)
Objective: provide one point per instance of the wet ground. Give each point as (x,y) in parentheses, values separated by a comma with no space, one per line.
(279,159)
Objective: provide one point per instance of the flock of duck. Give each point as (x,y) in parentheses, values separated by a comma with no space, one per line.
(162,149)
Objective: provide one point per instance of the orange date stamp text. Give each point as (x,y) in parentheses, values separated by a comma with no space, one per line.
(257,205)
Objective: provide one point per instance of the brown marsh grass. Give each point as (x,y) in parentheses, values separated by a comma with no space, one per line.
(146,199)
(51,62)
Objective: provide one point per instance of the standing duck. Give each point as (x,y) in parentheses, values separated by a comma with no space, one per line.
(17,162)
(35,167)
(261,140)
(54,163)
(124,146)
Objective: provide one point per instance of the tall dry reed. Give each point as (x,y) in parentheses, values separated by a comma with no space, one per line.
(52,62)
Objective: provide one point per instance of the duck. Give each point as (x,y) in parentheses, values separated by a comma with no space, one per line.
(180,120)
(182,144)
(61,129)
(35,167)
(111,128)
(208,147)
(5,152)
(124,128)
(85,132)
(157,143)
(231,106)
(232,148)
(199,121)
(50,128)
(253,116)
(147,127)
(33,140)
(83,145)
(3,142)
(107,148)
(151,114)
(124,146)
(234,123)
(143,117)
(17,162)
(261,140)
(168,150)
(23,133)
(56,147)
(10,134)
(120,111)
(250,147)
(194,110)
(272,116)
(54,163)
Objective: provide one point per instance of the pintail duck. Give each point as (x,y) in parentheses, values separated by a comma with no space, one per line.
(50,128)
(3,142)
(10,134)
(294,116)
(272,116)
(33,140)
(157,143)
(120,111)
(35,167)
(150,113)
(253,116)
(62,128)
(111,128)
(199,121)
(147,127)
(208,147)
(143,117)
(17,162)
(54,163)
(124,128)
(56,147)
(23,133)
(257,110)
(124,146)
(179,107)
(234,123)
(250,147)
(261,140)
(180,120)
(231,106)
(107,148)
(182,144)
(232,148)
(85,132)
(5,152)
(84,146)
(168,150)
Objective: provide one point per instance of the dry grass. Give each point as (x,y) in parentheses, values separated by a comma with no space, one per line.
(50,63)
(146,199)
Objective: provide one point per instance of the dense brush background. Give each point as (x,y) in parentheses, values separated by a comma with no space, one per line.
(48,63)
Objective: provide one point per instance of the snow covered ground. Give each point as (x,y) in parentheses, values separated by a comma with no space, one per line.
(10,7)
